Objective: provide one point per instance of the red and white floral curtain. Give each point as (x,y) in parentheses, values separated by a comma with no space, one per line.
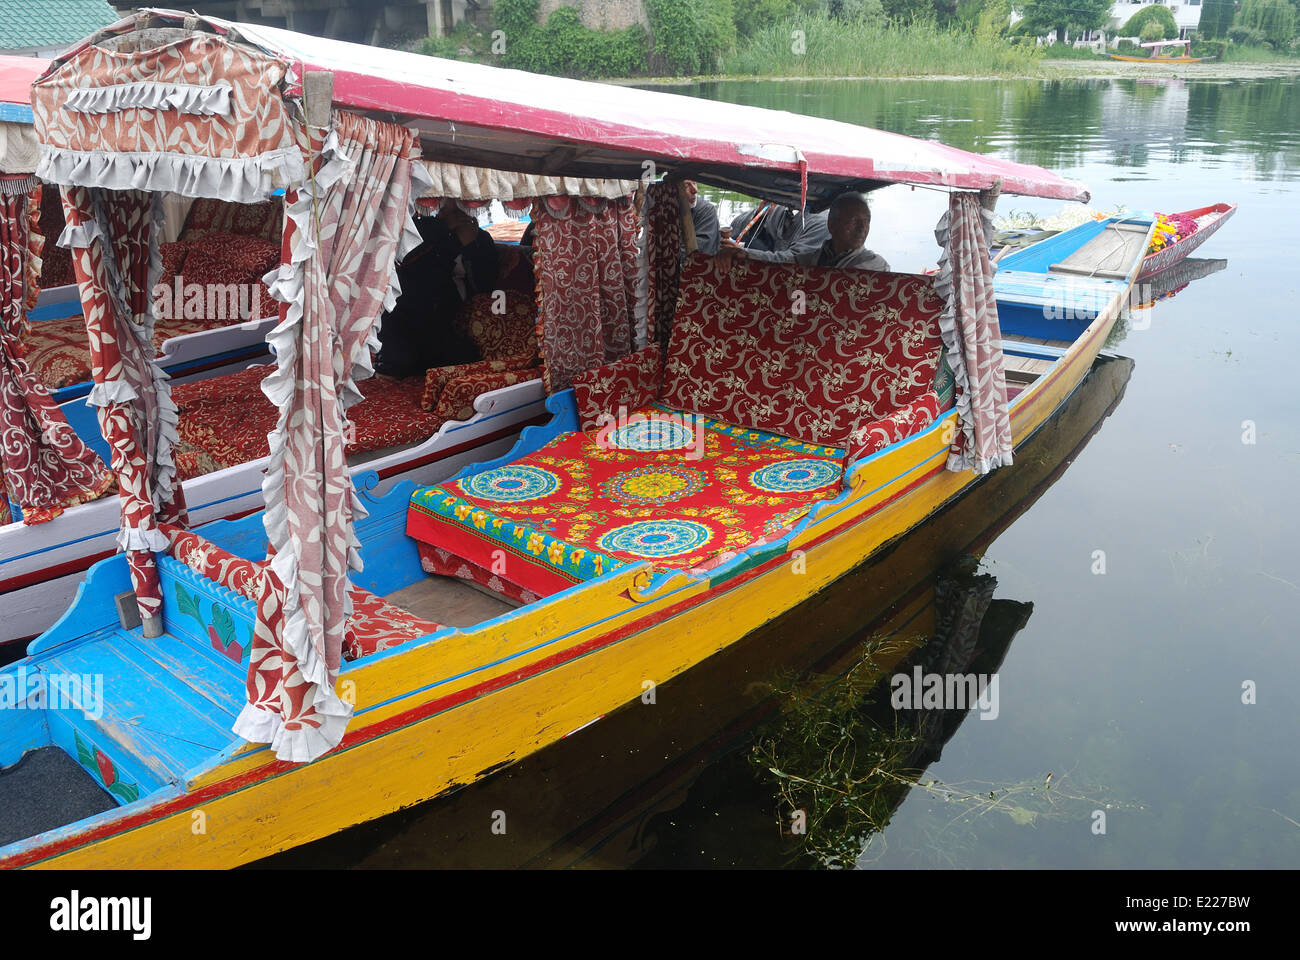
(973,337)
(44,466)
(585,251)
(113,237)
(347,228)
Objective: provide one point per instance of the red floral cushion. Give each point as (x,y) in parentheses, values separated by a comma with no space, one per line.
(501,326)
(456,401)
(903,422)
(265,220)
(173,260)
(436,378)
(377,625)
(229,417)
(251,255)
(805,352)
(58,354)
(631,382)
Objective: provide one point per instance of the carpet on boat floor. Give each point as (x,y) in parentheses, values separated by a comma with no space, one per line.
(44,790)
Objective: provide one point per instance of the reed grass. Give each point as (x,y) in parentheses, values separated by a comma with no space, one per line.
(833,48)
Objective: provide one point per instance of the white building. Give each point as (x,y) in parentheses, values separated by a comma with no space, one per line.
(1187,15)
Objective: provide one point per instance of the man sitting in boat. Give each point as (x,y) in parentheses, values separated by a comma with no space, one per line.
(704,215)
(456,260)
(848,220)
(769,227)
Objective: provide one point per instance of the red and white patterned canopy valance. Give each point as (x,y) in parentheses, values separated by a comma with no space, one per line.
(199,116)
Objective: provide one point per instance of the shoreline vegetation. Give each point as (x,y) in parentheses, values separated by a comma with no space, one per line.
(710,40)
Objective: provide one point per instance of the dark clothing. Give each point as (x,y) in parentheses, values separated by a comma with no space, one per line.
(781,229)
(707,233)
(420,331)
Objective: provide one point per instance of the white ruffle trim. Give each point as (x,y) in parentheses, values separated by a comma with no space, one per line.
(151,95)
(110,391)
(78,236)
(237,179)
(952,339)
(133,538)
(304,744)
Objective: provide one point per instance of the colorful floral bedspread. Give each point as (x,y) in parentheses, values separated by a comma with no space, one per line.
(679,491)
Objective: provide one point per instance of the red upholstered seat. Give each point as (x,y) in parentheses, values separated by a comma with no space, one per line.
(229,417)
(806,352)
(678,491)
(378,625)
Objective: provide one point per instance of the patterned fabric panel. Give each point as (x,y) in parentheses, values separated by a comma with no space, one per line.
(264,220)
(678,491)
(228,417)
(504,334)
(808,352)
(56,261)
(630,382)
(377,625)
(443,563)
(437,378)
(917,415)
(456,402)
(59,355)
(173,260)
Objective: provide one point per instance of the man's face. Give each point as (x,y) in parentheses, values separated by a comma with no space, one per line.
(452,215)
(692,191)
(849,226)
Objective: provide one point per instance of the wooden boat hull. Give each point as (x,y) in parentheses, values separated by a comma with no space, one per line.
(1128,59)
(488,695)
(1166,258)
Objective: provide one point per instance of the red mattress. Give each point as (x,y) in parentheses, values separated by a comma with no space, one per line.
(225,420)
(677,491)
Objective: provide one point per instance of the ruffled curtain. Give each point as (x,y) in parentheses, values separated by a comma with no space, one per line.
(663,251)
(44,466)
(346,229)
(973,336)
(585,258)
(113,236)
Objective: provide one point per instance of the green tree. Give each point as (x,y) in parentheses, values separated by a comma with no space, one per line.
(1156,14)
(1058,16)
(1216,18)
(1274,20)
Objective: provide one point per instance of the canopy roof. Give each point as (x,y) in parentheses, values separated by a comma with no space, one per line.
(19,150)
(487,116)
(1166,43)
(16,76)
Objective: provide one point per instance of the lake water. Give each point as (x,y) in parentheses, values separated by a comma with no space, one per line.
(1126,686)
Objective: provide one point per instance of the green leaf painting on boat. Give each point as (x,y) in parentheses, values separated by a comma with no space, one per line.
(94,759)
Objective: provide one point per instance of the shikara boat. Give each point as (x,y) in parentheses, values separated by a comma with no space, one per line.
(673,503)
(566,811)
(1208,221)
(1157,54)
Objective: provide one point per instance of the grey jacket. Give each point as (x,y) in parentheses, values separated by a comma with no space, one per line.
(825,256)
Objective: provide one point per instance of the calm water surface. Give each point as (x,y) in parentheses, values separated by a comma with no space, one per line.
(1126,686)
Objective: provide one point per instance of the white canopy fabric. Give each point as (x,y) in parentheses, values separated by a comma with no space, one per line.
(481,183)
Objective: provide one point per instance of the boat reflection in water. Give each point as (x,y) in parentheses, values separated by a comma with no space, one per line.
(1170,282)
(650,782)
